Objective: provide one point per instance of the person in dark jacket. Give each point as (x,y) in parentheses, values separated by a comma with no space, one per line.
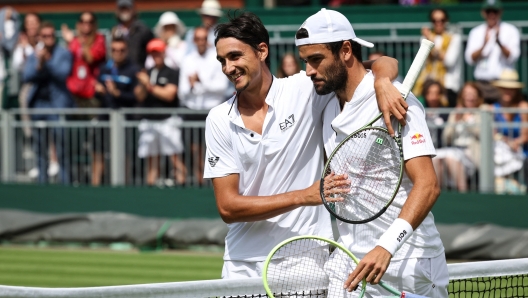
(134,31)
(47,70)
(115,89)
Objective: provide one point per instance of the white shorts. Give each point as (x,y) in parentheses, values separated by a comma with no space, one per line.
(426,277)
(160,137)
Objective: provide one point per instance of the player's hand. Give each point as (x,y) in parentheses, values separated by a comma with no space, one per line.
(372,267)
(390,102)
(335,185)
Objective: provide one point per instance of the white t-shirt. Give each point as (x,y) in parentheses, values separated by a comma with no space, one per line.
(212,86)
(493,62)
(287,156)
(416,141)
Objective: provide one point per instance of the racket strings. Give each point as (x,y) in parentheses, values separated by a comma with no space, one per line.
(371,159)
(309,268)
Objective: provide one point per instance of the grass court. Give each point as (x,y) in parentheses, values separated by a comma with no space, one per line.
(38,267)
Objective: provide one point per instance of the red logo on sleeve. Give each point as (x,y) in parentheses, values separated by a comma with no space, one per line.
(417,138)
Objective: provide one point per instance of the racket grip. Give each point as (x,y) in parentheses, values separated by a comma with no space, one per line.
(416,67)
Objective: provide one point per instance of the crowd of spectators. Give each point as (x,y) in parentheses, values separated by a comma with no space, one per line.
(172,66)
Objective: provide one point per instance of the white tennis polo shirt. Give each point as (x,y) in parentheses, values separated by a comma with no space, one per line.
(416,141)
(287,156)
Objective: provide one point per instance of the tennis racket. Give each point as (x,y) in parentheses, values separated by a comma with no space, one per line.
(313,266)
(373,161)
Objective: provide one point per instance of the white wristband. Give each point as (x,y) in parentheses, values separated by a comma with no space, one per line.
(395,235)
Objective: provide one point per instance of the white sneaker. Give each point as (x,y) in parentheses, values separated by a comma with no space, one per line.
(33,173)
(53,169)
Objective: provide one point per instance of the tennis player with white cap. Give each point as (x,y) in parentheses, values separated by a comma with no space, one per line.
(332,52)
(265,149)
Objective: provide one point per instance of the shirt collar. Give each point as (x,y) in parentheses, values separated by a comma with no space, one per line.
(233,112)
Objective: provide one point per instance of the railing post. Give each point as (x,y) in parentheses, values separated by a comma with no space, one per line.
(487,163)
(117,148)
(8,146)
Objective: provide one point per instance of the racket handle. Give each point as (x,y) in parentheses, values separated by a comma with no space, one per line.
(416,67)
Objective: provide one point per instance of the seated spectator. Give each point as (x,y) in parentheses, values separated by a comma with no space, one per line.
(289,66)
(115,88)
(88,49)
(461,158)
(47,70)
(202,86)
(444,63)
(170,29)
(160,134)
(433,96)
(515,138)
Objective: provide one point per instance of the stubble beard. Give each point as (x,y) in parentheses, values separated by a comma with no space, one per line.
(336,79)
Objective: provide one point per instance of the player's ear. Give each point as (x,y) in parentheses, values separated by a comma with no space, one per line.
(346,50)
(263,51)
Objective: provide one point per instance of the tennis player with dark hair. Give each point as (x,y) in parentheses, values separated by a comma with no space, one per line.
(265,149)
(412,261)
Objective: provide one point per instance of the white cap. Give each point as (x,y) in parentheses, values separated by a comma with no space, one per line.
(211,8)
(329,26)
(170,18)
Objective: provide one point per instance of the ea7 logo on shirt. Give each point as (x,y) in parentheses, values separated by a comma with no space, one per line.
(417,138)
(288,122)
(213,160)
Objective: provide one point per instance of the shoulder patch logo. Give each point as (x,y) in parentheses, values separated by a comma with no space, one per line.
(213,160)
(417,138)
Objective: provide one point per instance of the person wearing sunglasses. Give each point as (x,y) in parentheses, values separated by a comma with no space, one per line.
(444,64)
(492,47)
(115,89)
(47,69)
(88,49)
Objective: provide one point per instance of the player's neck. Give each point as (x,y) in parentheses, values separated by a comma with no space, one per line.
(254,97)
(356,73)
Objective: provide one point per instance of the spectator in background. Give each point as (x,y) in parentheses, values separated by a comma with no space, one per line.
(135,32)
(289,66)
(491,48)
(115,88)
(27,42)
(9,31)
(47,70)
(461,158)
(202,86)
(88,50)
(210,12)
(433,96)
(160,134)
(515,138)
(444,63)
(170,29)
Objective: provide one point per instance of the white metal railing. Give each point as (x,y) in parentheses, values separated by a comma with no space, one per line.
(114,134)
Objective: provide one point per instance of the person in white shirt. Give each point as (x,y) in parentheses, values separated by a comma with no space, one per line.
(332,52)
(265,150)
(202,87)
(491,48)
(445,61)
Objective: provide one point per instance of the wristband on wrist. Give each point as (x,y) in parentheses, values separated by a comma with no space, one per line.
(395,236)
